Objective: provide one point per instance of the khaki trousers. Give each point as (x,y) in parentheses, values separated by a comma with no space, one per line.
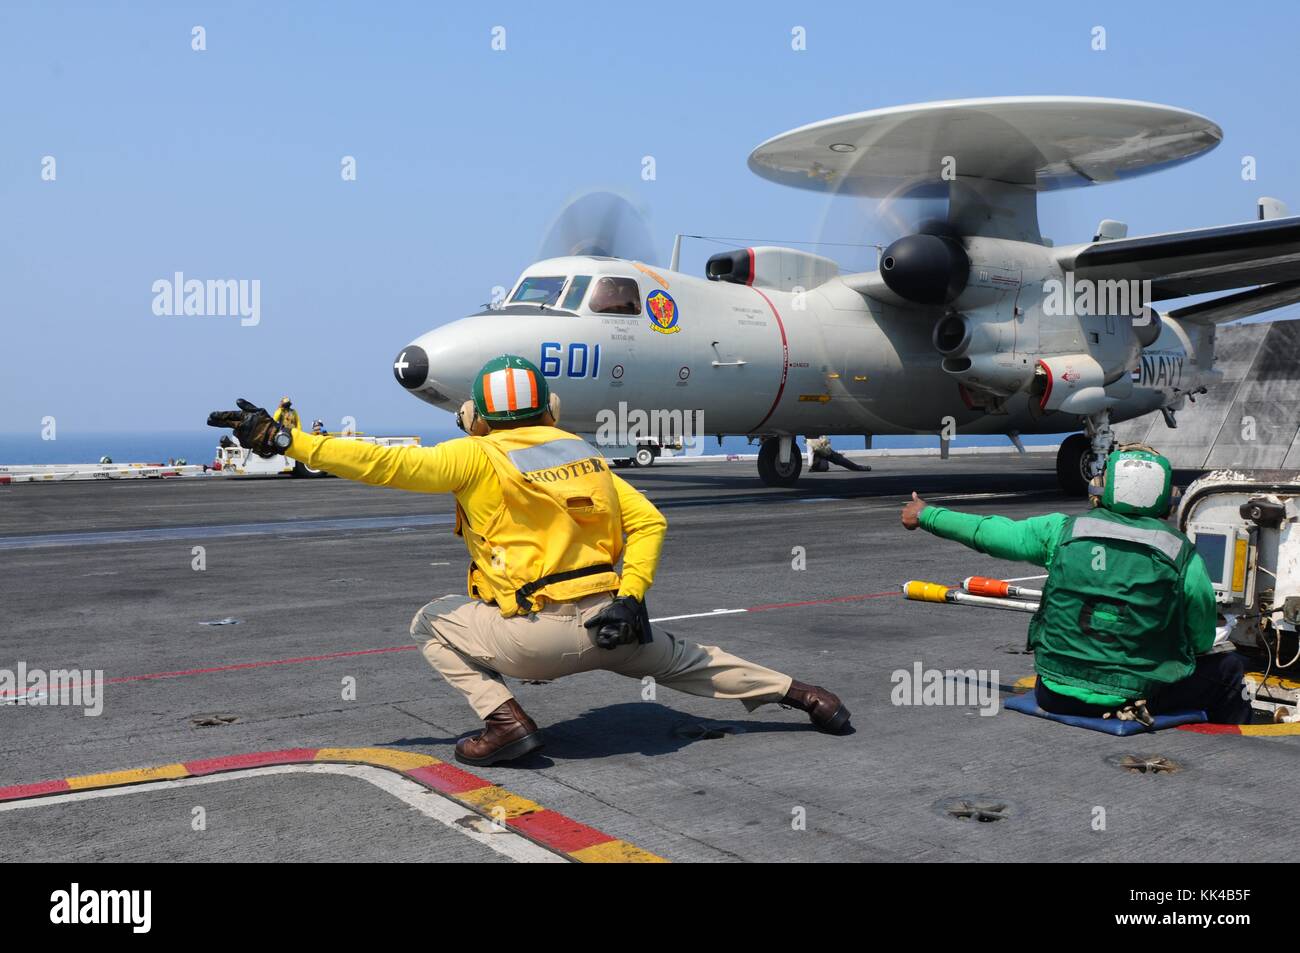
(472,646)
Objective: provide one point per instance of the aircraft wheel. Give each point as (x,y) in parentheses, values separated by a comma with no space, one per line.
(770,469)
(301,469)
(1072,464)
(645,457)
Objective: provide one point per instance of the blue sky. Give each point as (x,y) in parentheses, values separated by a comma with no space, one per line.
(226,163)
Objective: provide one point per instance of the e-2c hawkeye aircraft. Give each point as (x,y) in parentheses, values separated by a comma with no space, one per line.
(971,324)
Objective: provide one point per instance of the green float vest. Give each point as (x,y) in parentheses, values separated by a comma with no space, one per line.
(1111,618)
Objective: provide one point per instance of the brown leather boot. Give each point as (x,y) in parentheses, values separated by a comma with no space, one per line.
(509,734)
(823,707)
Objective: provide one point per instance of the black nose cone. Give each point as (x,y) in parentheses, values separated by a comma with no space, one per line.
(411,367)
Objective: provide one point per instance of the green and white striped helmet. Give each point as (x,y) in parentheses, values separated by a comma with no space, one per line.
(1138,482)
(510,388)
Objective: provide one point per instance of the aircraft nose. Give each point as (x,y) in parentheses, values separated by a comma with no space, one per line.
(439,366)
(411,368)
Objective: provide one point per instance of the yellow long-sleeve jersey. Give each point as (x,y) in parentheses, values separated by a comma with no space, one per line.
(287,418)
(465,468)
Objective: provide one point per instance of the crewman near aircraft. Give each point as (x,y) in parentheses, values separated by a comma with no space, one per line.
(286,416)
(545,523)
(824,455)
(1127,617)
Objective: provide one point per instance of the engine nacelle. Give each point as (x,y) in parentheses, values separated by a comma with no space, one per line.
(970,354)
(1147,327)
(781,269)
(1078,384)
(925,269)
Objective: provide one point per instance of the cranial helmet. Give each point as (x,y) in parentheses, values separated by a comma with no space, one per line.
(510,388)
(1137,482)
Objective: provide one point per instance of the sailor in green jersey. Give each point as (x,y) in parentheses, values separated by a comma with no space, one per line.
(1127,613)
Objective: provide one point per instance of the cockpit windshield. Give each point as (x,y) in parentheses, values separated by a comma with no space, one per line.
(539,289)
(616,296)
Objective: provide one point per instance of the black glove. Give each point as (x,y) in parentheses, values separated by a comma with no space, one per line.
(257,430)
(622,622)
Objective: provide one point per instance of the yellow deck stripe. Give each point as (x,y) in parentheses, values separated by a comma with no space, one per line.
(381,757)
(1285,728)
(497,802)
(110,779)
(616,852)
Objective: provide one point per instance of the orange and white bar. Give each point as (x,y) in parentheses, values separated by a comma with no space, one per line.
(511,388)
(998,588)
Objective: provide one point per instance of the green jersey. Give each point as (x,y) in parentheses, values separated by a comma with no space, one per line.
(1100,671)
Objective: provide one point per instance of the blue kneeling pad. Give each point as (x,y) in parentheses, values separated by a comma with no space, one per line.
(1027,704)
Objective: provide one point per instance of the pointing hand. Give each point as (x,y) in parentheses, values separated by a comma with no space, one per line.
(256,430)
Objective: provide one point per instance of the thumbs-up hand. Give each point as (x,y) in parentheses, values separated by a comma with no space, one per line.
(912,512)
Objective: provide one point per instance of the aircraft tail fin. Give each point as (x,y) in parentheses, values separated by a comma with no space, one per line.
(1251,418)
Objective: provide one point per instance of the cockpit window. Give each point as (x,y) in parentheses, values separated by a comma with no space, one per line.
(577,288)
(616,296)
(537,289)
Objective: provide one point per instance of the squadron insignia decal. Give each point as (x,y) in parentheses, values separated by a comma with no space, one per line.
(663,312)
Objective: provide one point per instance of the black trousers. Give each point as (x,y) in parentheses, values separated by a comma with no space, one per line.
(822,462)
(1214,687)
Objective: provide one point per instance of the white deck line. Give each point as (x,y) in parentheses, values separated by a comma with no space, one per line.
(430,803)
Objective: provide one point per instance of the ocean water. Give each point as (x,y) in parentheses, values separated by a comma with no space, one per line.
(199,446)
(192,446)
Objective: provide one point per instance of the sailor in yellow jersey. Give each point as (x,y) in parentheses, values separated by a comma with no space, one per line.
(546,524)
(286,416)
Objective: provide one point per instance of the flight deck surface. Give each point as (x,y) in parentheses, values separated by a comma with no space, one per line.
(323,576)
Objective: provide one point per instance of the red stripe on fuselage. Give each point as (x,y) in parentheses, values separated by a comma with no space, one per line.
(785,353)
(1047,391)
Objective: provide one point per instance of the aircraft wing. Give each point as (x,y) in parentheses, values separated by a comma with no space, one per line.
(1243,304)
(1196,261)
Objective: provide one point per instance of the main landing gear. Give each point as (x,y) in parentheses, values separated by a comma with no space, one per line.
(775,471)
(1082,456)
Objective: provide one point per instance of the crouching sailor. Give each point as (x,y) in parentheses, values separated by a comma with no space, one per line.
(545,522)
(1128,608)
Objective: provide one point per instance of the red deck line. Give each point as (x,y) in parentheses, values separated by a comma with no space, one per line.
(267,663)
(245,665)
(558,832)
(17,792)
(1206,728)
(447,778)
(258,759)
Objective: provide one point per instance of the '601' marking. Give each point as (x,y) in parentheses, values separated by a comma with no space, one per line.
(576,360)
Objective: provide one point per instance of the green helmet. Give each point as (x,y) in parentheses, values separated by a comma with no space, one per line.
(510,388)
(1138,482)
